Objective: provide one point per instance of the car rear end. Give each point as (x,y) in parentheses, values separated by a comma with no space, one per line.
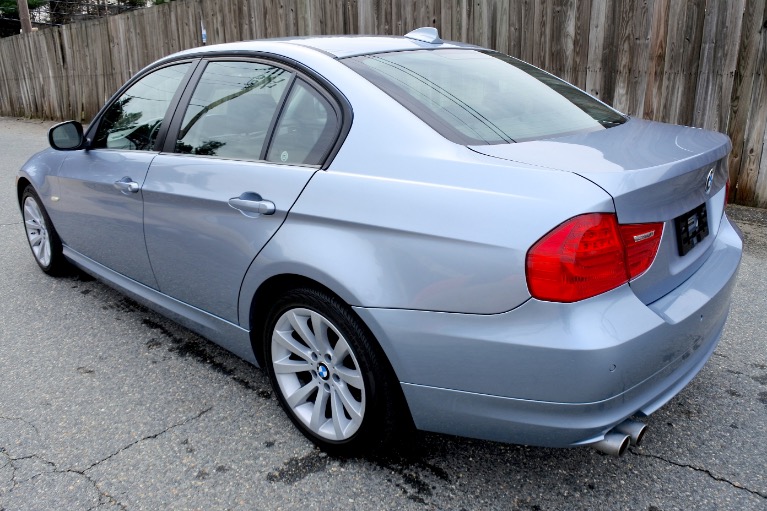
(626,303)
(564,370)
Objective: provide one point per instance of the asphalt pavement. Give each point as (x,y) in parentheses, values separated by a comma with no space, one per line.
(105,405)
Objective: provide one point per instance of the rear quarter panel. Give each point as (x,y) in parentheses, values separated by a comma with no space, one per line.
(394,243)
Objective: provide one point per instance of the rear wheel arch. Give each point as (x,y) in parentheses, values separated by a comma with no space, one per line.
(272,289)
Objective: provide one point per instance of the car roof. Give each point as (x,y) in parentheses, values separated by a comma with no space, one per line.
(348,46)
(334,46)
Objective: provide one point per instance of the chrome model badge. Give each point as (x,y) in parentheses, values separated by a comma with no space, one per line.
(710,179)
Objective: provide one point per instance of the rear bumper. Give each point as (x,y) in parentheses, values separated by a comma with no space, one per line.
(558,374)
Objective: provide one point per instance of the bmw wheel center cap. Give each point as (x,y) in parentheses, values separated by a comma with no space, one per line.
(322,370)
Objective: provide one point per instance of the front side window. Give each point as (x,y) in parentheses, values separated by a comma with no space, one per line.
(231,110)
(133,121)
(483,97)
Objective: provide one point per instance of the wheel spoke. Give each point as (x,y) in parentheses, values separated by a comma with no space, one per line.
(350,376)
(341,351)
(285,340)
(353,407)
(320,327)
(45,251)
(32,211)
(35,239)
(318,412)
(287,366)
(337,411)
(32,224)
(300,324)
(301,394)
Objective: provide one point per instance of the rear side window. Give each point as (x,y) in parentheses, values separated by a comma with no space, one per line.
(232,109)
(306,130)
(482,97)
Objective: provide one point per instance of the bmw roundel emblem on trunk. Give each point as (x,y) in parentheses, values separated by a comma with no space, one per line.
(710,179)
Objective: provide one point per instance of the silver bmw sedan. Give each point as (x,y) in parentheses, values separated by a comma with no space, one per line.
(404,232)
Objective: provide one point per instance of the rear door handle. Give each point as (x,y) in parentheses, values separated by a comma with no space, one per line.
(252,204)
(127,185)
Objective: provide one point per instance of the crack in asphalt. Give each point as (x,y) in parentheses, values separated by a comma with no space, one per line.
(11,459)
(104,497)
(21,419)
(13,468)
(150,437)
(15,483)
(702,470)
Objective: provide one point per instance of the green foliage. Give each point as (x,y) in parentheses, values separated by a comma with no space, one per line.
(10,8)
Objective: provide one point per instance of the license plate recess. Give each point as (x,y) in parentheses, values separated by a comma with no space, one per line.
(691,228)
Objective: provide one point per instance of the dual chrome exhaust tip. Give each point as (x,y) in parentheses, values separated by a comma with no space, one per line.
(618,439)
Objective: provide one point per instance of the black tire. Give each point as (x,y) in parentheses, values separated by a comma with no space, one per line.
(324,382)
(43,239)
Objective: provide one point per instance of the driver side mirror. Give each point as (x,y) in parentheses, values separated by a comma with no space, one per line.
(66,136)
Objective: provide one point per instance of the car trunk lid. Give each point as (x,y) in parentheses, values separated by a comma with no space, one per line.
(655,173)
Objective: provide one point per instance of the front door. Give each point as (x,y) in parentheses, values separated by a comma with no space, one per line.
(99,213)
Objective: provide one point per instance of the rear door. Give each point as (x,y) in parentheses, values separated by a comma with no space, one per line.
(100,211)
(251,137)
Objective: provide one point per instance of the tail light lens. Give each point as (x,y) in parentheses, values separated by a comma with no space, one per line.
(641,242)
(589,255)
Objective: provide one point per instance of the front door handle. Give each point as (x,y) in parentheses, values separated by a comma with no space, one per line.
(127,185)
(252,204)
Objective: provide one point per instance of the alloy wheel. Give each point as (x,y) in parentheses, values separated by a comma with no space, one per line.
(318,374)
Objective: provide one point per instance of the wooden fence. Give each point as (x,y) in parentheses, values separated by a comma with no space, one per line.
(694,62)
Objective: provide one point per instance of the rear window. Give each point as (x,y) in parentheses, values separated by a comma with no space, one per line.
(484,97)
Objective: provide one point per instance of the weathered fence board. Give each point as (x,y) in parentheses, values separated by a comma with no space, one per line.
(596,52)
(697,62)
(753,135)
(745,82)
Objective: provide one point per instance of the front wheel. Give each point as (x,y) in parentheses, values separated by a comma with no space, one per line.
(42,237)
(328,374)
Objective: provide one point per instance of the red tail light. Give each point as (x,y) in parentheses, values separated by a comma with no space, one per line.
(641,242)
(588,255)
